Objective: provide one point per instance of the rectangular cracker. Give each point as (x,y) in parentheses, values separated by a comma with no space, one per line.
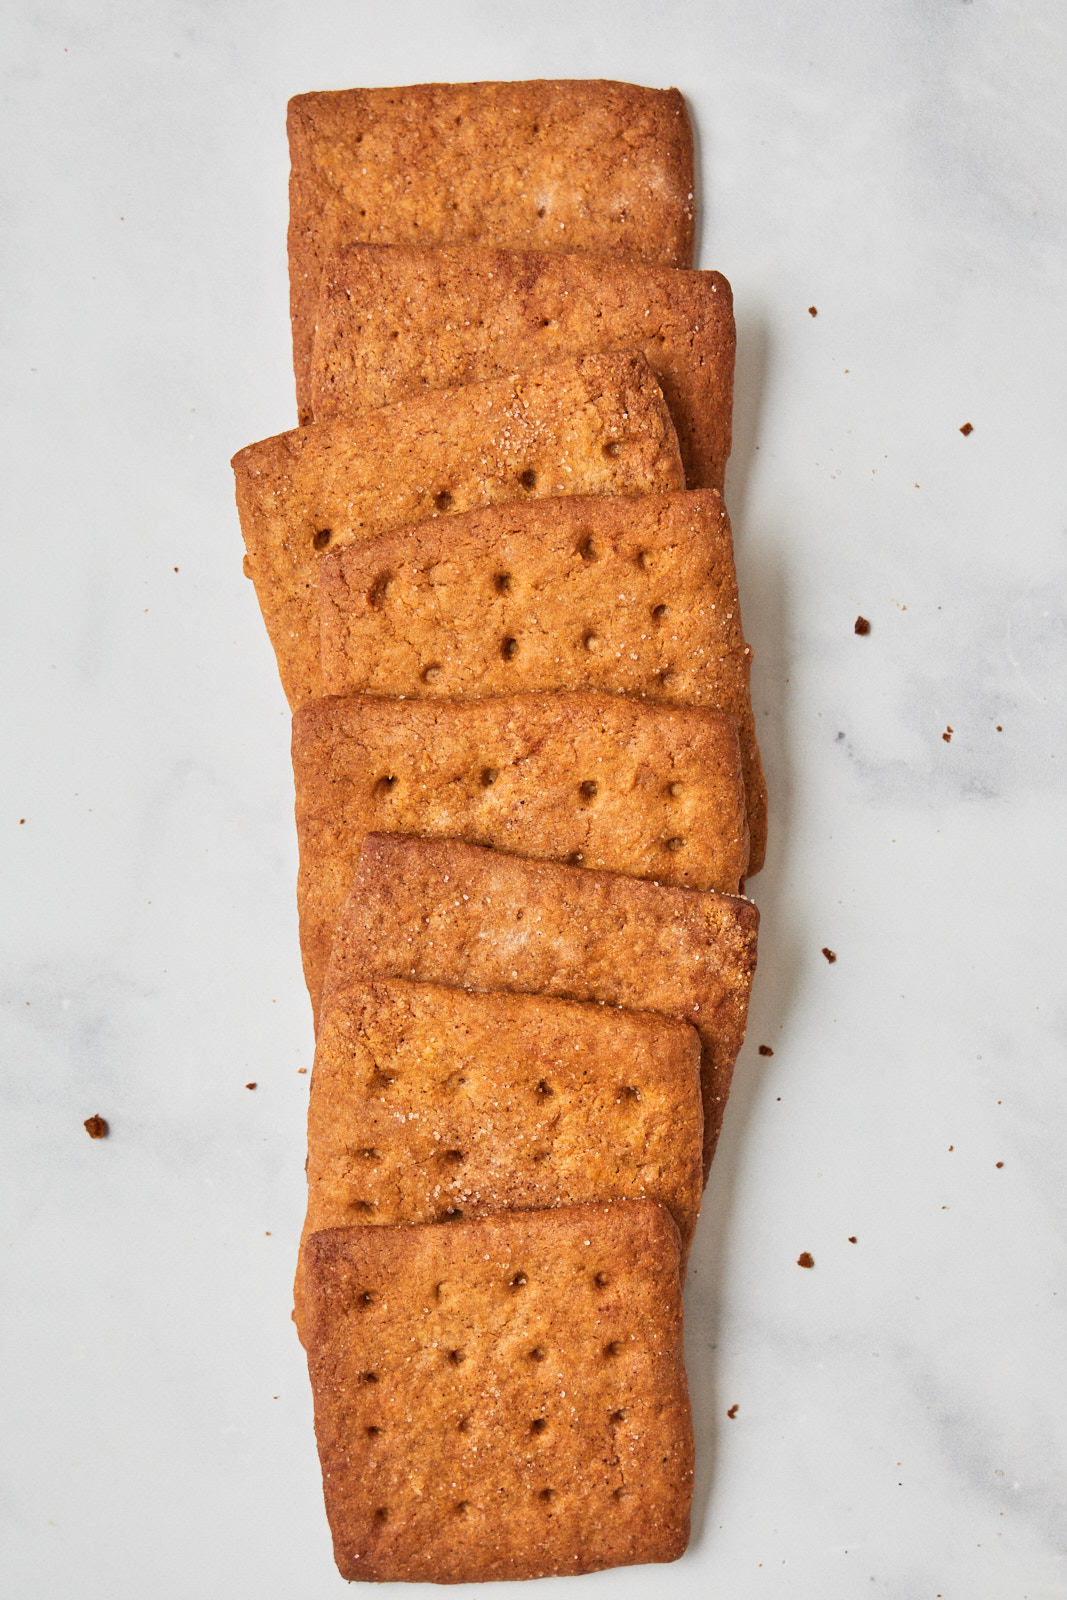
(577,584)
(429,1104)
(627,785)
(593,425)
(444,912)
(504,1398)
(394,322)
(597,167)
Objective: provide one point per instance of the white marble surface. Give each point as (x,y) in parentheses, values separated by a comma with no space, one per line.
(897,164)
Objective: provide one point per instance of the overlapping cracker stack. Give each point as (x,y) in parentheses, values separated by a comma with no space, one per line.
(497,572)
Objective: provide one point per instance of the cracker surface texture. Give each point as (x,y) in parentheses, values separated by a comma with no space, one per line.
(604,781)
(429,1104)
(593,425)
(503,1398)
(392,323)
(635,595)
(444,912)
(597,167)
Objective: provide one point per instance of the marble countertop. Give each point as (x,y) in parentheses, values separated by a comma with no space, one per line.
(884,186)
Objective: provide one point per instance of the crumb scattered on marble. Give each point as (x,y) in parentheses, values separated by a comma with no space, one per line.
(852,1238)
(813,311)
(1000,1163)
(805,1259)
(863,627)
(947,735)
(96,1127)
(831,955)
(967,428)
(732,1412)
(250,1086)
(765,1050)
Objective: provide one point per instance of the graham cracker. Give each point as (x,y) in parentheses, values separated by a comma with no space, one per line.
(392,323)
(503,1398)
(627,785)
(636,595)
(430,1104)
(440,911)
(593,425)
(597,167)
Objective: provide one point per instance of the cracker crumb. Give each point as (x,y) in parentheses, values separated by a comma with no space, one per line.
(805,1259)
(96,1127)
(967,428)
(863,627)
(765,1050)
(813,311)
(732,1412)
(831,955)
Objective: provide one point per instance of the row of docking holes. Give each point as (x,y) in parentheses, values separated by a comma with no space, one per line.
(510,648)
(385,1078)
(519,1280)
(463,1508)
(588,547)
(589,788)
(503,582)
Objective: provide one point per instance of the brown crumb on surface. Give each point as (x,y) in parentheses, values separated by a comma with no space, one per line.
(765,1050)
(250,1086)
(1000,1163)
(96,1127)
(805,1259)
(301,1070)
(947,735)
(862,625)
(22,819)
(732,1412)
(831,955)
(813,311)
(999,728)
(967,428)
(852,1238)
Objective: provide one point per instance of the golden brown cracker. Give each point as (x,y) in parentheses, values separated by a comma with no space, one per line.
(503,1398)
(440,911)
(392,323)
(429,1104)
(598,167)
(594,425)
(636,595)
(627,785)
